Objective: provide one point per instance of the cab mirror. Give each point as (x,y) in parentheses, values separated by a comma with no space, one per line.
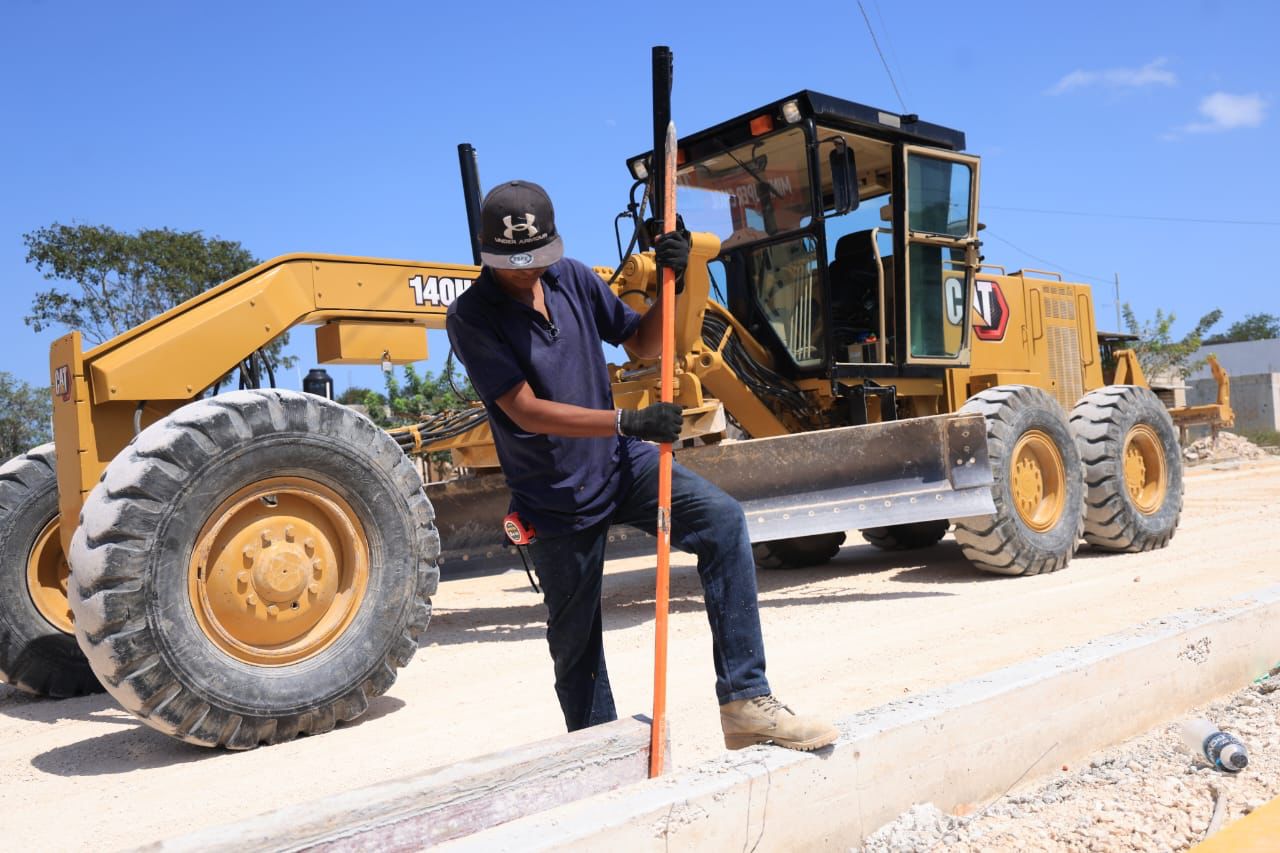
(844,177)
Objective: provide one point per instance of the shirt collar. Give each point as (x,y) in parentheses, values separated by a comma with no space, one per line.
(487,286)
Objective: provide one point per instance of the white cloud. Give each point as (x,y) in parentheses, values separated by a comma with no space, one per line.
(1225,111)
(1154,73)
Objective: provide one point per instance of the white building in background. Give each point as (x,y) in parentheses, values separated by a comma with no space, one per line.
(1241,359)
(1254,368)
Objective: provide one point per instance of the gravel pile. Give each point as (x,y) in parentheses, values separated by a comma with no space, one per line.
(1148,793)
(1228,446)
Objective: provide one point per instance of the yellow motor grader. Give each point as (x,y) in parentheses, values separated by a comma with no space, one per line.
(252,565)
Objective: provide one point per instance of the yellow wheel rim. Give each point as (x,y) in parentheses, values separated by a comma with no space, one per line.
(1145,475)
(1039,481)
(47,574)
(279,571)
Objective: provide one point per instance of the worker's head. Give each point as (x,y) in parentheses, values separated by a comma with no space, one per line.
(518,228)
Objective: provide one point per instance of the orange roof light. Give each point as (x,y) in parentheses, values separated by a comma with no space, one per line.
(761,124)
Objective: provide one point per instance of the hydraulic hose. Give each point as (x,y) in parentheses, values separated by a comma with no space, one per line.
(435,428)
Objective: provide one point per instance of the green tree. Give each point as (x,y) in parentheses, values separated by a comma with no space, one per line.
(421,395)
(122,279)
(25,411)
(1254,327)
(1157,350)
(417,397)
(373,404)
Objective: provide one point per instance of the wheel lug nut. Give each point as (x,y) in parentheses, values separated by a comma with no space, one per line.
(243,577)
(251,600)
(273,610)
(266,538)
(310,545)
(249,552)
(313,588)
(316,568)
(288,533)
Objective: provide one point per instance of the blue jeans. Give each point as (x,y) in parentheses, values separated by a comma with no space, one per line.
(704,521)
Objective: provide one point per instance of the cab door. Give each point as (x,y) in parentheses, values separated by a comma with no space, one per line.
(941,254)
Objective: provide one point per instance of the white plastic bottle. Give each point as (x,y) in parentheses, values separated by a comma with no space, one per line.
(1223,751)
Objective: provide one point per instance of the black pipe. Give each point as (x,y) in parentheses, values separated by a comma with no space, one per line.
(662,73)
(471,194)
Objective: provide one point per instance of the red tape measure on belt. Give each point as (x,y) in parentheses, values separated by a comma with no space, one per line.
(517,531)
(521,535)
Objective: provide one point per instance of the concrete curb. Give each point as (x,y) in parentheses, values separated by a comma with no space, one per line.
(434,806)
(960,745)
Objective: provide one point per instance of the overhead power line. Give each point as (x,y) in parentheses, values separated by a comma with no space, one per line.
(888,39)
(988,233)
(1192,220)
(883,61)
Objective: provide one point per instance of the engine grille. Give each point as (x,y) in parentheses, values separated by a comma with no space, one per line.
(1063,341)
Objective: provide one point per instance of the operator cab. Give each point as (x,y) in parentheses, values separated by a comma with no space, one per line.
(816,200)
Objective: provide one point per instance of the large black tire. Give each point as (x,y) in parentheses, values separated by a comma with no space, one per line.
(1038,490)
(36,654)
(907,537)
(1132,468)
(161,529)
(798,553)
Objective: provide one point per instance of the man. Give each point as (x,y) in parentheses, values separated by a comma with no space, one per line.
(529,333)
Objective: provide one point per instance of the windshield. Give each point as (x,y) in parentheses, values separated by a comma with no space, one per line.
(746,193)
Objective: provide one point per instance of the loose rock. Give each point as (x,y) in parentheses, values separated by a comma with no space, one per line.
(1148,793)
(1228,446)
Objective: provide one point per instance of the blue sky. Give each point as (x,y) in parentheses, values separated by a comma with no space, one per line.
(332,127)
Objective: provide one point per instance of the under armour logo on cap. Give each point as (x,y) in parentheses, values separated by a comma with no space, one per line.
(518,227)
(527,228)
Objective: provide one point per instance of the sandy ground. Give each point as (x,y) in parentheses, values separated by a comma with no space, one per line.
(864,629)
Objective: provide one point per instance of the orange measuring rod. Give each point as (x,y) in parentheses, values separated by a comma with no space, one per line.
(667,215)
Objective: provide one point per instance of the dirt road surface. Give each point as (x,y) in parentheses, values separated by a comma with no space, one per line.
(866,628)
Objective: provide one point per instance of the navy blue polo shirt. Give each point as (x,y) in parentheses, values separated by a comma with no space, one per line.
(558,484)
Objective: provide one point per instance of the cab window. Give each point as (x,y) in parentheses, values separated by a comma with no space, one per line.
(750,192)
(939,199)
(939,280)
(859,251)
(784,280)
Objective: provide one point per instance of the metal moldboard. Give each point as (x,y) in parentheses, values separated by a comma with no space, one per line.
(804,484)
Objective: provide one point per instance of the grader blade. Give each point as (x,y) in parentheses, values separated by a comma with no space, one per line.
(854,477)
(789,486)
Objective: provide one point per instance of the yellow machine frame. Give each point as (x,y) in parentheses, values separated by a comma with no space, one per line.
(368,311)
(377,311)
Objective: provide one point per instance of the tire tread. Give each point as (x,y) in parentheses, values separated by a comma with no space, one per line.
(35,657)
(798,553)
(108,571)
(906,537)
(1097,421)
(1000,543)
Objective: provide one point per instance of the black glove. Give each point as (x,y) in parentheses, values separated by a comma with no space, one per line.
(672,251)
(660,422)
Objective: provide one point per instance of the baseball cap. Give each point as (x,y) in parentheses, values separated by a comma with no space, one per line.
(518,227)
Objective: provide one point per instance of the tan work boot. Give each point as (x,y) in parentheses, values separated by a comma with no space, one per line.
(764,719)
